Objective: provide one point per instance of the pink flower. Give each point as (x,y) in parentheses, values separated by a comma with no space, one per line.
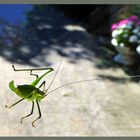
(114,26)
(133,18)
(126,21)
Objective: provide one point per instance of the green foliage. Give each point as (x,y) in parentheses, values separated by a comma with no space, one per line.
(127,11)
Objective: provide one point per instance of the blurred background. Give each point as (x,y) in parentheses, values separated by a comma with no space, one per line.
(40,35)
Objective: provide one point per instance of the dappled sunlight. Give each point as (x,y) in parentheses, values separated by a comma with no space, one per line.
(22,44)
(44,26)
(74,28)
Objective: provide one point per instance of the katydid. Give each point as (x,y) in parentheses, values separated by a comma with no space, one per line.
(34,94)
(31,92)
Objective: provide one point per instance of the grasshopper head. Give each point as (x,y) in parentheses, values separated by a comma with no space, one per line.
(12,86)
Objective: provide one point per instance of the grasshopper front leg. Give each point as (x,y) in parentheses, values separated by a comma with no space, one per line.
(43,84)
(14,104)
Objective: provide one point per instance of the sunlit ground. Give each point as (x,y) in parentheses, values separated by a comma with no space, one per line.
(106,107)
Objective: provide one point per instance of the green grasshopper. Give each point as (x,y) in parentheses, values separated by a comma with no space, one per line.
(31,92)
(34,94)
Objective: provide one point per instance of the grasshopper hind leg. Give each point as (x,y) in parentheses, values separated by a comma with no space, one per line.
(28,114)
(25,70)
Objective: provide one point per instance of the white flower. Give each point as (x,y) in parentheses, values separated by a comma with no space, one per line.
(120,31)
(114,42)
(121,45)
(133,38)
(115,33)
(135,31)
(138,49)
(123,26)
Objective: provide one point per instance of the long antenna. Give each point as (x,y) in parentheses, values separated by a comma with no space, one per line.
(54,75)
(88,80)
(132,76)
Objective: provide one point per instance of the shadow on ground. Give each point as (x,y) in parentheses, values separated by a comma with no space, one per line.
(47,30)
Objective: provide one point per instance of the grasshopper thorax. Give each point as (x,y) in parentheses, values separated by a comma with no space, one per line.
(29,92)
